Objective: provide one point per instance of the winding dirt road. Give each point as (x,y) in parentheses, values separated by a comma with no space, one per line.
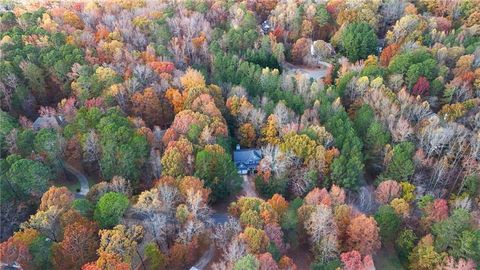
(248,187)
(84,188)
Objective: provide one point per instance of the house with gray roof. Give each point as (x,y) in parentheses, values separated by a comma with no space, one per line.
(54,122)
(246,160)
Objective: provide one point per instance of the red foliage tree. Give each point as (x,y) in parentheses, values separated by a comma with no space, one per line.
(67,108)
(328,79)
(162,67)
(102,33)
(451,264)
(267,262)
(300,49)
(277,33)
(94,102)
(387,191)
(467,77)
(73,152)
(353,261)
(12,251)
(437,210)
(91,266)
(318,196)
(337,194)
(443,24)
(421,87)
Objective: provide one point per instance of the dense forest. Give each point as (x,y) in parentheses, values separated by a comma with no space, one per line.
(120,122)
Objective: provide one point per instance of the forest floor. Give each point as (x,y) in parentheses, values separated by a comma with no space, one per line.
(301,256)
(386,259)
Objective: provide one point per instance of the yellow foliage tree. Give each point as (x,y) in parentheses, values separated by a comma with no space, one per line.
(407,191)
(300,145)
(256,239)
(192,78)
(73,19)
(424,256)
(270,131)
(120,241)
(401,207)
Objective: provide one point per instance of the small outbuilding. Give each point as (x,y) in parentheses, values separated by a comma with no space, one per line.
(265,27)
(246,160)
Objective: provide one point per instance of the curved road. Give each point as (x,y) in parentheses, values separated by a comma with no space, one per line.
(218,218)
(81,178)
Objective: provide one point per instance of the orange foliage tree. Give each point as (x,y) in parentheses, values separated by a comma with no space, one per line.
(79,245)
(278,203)
(175,98)
(16,248)
(195,184)
(151,108)
(60,197)
(246,135)
(363,235)
(388,53)
(286,263)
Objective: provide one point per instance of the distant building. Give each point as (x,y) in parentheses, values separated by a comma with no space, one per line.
(13,266)
(266,27)
(380,45)
(54,122)
(246,160)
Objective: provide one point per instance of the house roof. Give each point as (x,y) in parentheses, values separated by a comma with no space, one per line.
(45,122)
(247,158)
(53,121)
